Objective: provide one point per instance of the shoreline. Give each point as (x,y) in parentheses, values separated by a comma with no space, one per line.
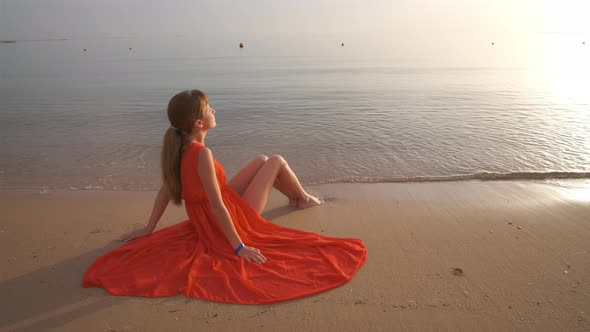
(545,177)
(466,255)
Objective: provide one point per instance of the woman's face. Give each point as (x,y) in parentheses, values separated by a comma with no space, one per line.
(208,117)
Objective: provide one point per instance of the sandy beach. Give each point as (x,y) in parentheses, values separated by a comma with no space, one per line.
(468,256)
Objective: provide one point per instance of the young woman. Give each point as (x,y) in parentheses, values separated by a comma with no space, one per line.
(225,251)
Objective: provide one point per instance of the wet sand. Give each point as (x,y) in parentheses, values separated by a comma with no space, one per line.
(472,255)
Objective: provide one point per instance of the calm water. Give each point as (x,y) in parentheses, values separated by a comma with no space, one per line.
(95,119)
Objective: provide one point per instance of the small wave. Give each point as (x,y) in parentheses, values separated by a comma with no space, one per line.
(483,176)
(12,41)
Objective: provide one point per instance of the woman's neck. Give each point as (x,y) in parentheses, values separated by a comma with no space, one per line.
(197,136)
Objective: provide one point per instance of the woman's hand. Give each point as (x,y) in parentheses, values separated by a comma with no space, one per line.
(251,254)
(139,232)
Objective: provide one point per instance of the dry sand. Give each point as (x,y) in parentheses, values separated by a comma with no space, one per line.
(471,256)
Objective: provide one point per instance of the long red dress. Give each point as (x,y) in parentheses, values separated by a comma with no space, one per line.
(195,258)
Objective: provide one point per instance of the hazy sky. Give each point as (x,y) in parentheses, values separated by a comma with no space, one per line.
(372,19)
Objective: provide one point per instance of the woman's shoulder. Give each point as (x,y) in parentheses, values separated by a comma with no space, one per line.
(197,151)
(193,146)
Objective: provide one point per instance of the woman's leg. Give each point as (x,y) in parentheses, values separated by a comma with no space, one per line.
(244,177)
(276,170)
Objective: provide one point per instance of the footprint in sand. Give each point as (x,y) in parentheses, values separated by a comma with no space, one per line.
(458,272)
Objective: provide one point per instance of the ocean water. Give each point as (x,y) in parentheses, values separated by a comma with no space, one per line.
(94,119)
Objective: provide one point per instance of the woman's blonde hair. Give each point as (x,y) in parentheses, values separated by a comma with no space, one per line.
(184,109)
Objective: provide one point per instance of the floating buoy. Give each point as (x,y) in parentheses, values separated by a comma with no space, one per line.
(241,45)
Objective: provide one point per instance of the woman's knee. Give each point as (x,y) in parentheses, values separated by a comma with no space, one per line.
(261,159)
(277,159)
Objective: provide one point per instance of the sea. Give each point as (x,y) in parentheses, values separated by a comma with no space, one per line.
(90,113)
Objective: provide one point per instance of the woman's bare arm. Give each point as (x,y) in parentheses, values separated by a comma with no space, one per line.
(206,171)
(160,204)
(159,207)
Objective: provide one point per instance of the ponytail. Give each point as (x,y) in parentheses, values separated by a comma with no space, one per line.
(183,110)
(170,159)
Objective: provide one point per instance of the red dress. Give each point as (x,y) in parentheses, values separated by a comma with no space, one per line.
(195,258)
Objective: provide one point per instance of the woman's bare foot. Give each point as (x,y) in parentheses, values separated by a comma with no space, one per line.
(306,202)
